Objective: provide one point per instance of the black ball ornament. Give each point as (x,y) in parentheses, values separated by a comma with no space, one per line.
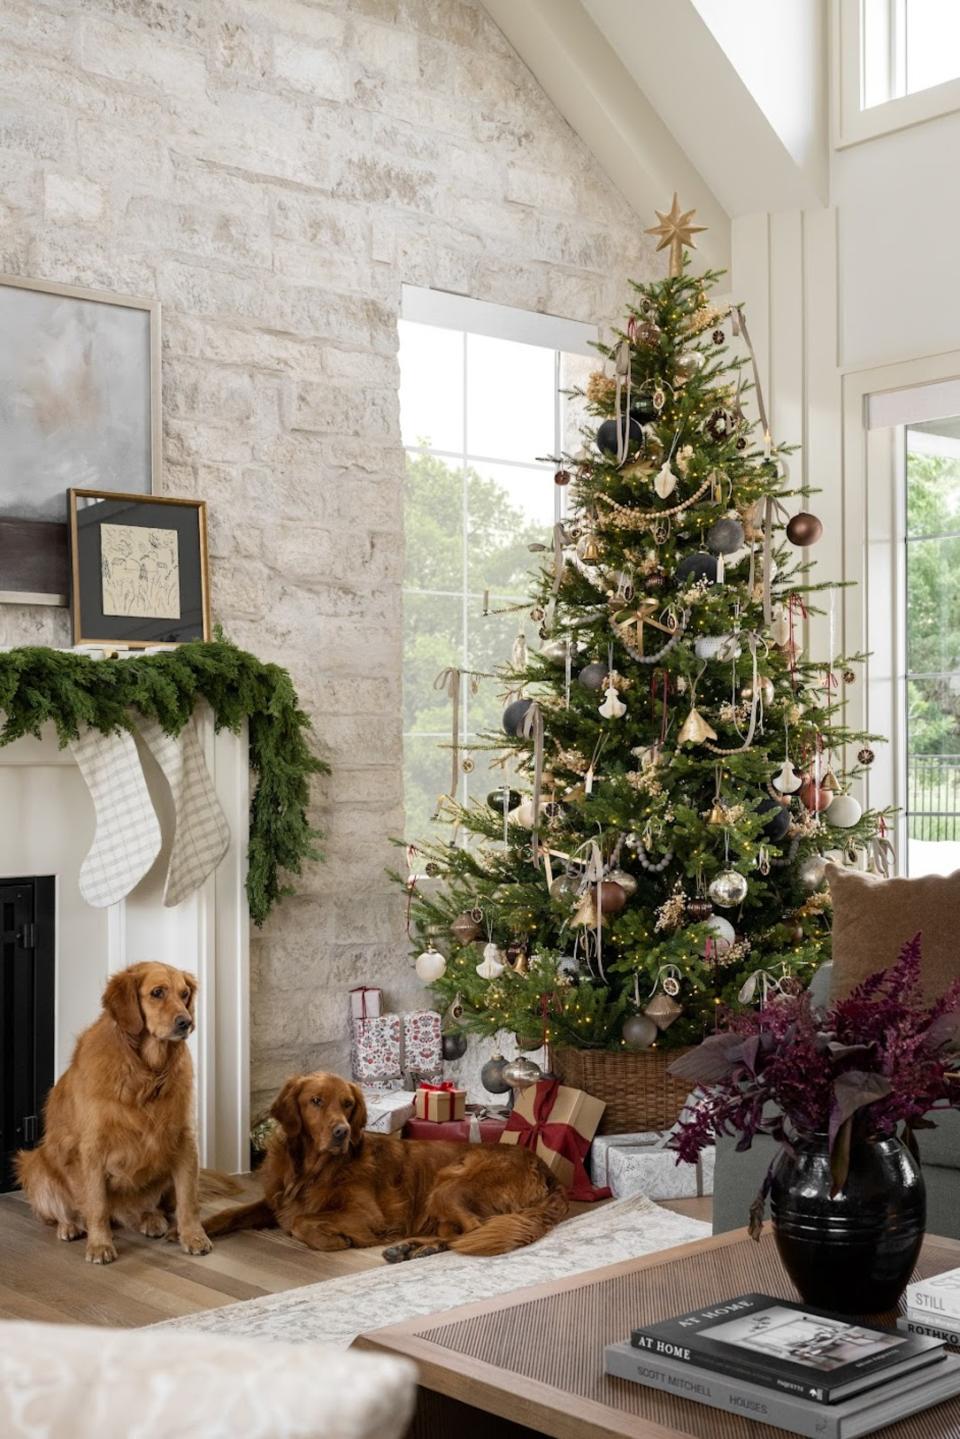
(643,408)
(496,797)
(776,818)
(491,1075)
(514,716)
(700,566)
(593,675)
(607,437)
(725,535)
(454,1046)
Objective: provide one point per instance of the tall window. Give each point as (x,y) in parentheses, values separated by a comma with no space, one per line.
(482,408)
(931,690)
(907,46)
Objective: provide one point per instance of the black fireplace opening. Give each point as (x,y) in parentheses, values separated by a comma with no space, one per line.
(27,919)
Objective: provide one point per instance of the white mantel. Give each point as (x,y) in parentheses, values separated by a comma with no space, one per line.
(46,828)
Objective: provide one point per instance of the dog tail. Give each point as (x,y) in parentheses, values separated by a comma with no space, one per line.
(214,1184)
(503,1232)
(257,1215)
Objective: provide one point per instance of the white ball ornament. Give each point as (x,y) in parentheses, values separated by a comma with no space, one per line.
(430,965)
(844,812)
(523,814)
(721,936)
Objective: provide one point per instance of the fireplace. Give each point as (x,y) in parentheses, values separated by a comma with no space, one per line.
(27,950)
(47,823)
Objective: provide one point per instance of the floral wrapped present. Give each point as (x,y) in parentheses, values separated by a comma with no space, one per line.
(642,1164)
(440,1103)
(422,1043)
(558,1123)
(375,1050)
(366,1002)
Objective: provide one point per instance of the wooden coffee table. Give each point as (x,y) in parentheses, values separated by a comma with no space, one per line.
(531,1362)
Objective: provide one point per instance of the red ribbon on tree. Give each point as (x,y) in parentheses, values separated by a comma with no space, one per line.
(563,1139)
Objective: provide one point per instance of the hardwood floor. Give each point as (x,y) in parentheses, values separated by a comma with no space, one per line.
(44,1279)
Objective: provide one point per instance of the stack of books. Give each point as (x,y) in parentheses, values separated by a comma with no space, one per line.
(797,1368)
(933,1308)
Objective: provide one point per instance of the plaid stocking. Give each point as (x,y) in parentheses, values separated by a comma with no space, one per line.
(202,835)
(127,837)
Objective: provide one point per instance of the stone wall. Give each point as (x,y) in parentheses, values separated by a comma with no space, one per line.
(273,170)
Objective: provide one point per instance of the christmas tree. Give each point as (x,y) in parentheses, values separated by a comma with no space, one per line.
(679,764)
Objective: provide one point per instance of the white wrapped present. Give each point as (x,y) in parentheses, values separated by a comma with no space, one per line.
(387,1109)
(642,1164)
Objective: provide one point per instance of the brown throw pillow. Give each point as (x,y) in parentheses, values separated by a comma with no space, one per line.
(873,918)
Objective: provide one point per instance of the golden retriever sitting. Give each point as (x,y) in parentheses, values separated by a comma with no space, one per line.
(333,1186)
(118,1124)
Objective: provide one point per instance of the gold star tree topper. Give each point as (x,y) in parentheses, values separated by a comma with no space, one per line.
(676,231)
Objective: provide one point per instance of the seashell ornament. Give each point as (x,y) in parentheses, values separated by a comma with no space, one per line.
(492,963)
(613,706)
(665,482)
(786,780)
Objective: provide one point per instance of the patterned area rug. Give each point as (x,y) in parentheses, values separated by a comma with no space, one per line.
(337,1310)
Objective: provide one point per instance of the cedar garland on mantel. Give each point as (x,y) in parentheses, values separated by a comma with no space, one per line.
(70,689)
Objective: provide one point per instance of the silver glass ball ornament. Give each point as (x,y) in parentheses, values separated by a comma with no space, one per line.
(520,1073)
(491,1075)
(728,889)
(812,871)
(593,675)
(639,1032)
(687,364)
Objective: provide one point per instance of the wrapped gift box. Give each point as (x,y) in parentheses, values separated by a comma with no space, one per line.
(422,1043)
(439,1103)
(375,1050)
(641,1164)
(469,1130)
(387,1109)
(365,1002)
(558,1123)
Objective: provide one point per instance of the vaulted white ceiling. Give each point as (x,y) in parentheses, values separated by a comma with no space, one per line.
(724,103)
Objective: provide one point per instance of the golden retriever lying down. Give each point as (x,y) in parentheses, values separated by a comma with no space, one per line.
(330,1184)
(118,1123)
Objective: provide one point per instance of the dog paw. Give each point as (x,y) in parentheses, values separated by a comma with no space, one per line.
(424,1251)
(195,1242)
(99,1253)
(67,1230)
(397,1253)
(153,1225)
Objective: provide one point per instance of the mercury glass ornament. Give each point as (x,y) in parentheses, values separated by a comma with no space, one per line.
(639,1032)
(688,363)
(812,871)
(648,333)
(663,1010)
(565,888)
(766,691)
(728,889)
(626,881)
(593,675)
(520,1073)
(454,1046)
(465,928)
(568,968)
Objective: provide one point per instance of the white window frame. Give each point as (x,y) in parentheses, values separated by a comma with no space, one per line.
(851,124)
(465,315)
(877,405)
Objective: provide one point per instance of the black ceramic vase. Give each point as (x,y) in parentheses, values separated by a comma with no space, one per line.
(853,1252)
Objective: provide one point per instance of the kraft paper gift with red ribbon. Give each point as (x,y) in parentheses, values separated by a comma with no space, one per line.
(469,1130)
(440,1102)
(558,1123)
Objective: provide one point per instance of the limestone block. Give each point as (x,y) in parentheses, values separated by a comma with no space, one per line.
(319,71)
(178,74)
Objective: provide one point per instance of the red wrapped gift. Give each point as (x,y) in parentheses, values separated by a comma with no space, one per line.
(558,1123)
(470,1130)
(440,1102)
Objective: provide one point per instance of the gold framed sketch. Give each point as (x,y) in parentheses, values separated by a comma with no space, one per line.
(138,569)
(80,404)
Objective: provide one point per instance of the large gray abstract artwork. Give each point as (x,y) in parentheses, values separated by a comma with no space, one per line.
(75,399)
